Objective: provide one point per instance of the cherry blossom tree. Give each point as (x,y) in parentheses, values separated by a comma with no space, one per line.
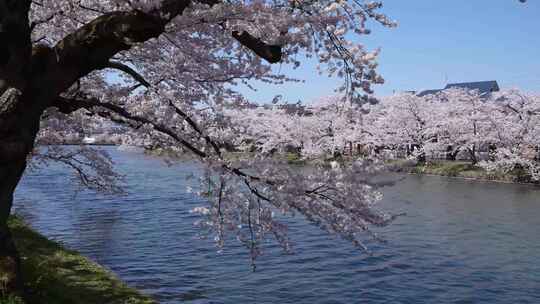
(514,131)
(460,122)
(402,121)
(168,69)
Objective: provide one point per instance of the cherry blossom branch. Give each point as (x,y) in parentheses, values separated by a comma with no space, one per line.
(93,168)
(92,45)
(67,106)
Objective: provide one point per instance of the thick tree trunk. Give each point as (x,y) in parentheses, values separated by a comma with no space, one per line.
(18,129)
(10,278)
(15,54)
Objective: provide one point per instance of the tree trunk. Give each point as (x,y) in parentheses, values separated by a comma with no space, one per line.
(421,158)
(451,154)
(15,138)
(18,129)
(472,153)
(10,277)
(492,151)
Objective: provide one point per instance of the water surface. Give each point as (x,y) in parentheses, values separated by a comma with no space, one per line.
(461,242)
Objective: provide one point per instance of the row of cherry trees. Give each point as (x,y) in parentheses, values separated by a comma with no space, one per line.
(499,131)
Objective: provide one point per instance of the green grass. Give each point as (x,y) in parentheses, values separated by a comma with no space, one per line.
(461,169)
(9,299)
(54,274)
(448,168)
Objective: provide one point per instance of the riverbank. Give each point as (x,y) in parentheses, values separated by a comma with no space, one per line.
(459,169)
(54,274)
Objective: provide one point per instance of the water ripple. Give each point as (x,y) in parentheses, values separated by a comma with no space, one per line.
(461,242)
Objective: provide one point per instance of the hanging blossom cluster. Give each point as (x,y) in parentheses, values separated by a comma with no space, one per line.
(337,198)
(93,168)
(179,90)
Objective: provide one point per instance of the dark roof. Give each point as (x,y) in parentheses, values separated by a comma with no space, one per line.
(482,86)
(293,108)
(428,92)
(290,108)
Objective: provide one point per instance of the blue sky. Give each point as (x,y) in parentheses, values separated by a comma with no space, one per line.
(438,42)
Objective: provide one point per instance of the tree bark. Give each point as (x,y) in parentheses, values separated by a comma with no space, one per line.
(18,130)
(10,277)
(492,150)
(472,153)
(451,155)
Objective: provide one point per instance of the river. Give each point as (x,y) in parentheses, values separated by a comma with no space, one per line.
(460,242)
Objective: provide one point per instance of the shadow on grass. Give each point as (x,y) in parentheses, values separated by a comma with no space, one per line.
(54,274)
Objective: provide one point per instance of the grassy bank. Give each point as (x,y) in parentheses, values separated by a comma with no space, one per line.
(460,169)
(54,274)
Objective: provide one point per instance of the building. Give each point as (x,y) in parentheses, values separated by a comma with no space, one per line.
(484,87)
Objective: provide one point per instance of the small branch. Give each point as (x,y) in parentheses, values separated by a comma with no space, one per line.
(128,70)
(271,53)
(67,106)
(195,127)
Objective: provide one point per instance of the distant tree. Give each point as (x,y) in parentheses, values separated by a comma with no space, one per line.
(460,122)
(514,132)
(403,121)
